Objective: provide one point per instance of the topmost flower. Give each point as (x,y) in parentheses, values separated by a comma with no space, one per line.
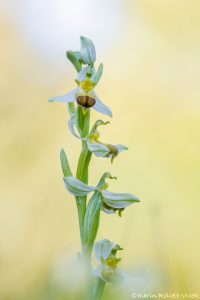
(86,80)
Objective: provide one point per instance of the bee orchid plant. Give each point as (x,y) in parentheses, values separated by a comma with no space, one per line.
(80,101)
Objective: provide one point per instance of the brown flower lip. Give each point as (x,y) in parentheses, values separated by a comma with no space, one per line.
(85,101)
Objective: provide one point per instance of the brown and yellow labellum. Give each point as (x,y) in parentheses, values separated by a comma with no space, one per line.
(85,101)
(113,151)
(112,261)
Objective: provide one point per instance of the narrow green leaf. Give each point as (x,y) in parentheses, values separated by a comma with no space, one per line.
(91,221)
(74,57)
(83,163)
(65,164)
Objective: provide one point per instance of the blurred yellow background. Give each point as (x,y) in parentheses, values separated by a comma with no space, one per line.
(151,56)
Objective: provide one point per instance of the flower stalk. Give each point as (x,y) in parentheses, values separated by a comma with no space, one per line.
(80,102)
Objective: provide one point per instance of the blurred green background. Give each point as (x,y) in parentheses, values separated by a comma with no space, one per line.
(151,56)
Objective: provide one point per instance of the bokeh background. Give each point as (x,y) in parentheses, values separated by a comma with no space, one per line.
(151,56)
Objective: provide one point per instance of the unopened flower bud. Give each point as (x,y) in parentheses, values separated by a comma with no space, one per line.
(88,53)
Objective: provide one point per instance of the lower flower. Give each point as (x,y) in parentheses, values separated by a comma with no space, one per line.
(105,252)
(110,202)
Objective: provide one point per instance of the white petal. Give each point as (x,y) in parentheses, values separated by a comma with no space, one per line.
(98,149)
(121,148)
(69,97)
(118,200)
(102,108)
(77,187)
(102,249)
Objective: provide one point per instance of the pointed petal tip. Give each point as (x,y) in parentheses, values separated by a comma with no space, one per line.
(101,107)
(62,151)
(121,147)
(136,199)
(108,112)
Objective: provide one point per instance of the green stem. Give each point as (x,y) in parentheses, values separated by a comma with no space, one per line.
(82,168)
(100,285)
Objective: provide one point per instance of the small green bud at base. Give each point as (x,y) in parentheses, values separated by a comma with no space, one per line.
(85,101)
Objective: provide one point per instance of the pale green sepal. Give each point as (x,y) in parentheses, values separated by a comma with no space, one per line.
(98,149)
(69,97)
(91,220)
(121,148)
(88,53)
(77,187)
(103,249)
(101,107)
(71,123)
(118,200)
(74,57)
(65,164)
(98,74)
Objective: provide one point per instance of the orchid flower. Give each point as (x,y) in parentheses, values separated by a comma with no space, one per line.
(110,202)
(103,150)
(95,146)
(105,253)
(84,93)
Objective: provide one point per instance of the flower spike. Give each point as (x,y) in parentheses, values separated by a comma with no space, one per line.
(80,102)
